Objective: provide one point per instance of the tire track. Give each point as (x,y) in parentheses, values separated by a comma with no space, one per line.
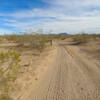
(71,77)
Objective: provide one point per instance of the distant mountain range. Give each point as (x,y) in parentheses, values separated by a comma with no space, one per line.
(63,34)
(60,34)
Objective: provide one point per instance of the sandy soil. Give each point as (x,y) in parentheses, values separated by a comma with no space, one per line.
(92,51)
(34,65)
(61,72)
(70,76)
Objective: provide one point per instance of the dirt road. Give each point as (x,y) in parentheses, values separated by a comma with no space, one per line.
(71,77)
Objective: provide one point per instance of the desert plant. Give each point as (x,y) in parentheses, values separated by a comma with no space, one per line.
(5,97)
(9,75)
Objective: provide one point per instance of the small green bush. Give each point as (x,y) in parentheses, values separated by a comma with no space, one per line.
(5,97)
(9,75)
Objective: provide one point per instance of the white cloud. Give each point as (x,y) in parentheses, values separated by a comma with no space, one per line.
(5,31)
(22,14)
(85,24)
(62,16)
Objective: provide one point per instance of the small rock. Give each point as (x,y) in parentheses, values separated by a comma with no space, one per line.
(26,65)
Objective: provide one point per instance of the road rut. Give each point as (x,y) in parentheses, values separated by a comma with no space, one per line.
(71,77)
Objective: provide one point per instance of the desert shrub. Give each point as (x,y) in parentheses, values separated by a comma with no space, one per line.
(33,41)
(84,38)
(10,37)
(9,75)
(3,56)
(5,97)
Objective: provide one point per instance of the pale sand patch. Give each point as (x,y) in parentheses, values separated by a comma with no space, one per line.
(37,69)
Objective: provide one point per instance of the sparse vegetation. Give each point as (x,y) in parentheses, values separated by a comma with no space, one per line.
(84,38)
(29,41)
(9,73)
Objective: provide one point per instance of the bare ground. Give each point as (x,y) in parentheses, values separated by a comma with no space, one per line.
(61,72)
(69,76)
(34,66)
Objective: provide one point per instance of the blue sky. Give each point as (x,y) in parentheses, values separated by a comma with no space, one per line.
(71,16)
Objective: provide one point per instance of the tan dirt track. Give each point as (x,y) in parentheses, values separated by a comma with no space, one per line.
(71,77)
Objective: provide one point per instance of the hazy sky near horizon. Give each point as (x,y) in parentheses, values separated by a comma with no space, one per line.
(71,16)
